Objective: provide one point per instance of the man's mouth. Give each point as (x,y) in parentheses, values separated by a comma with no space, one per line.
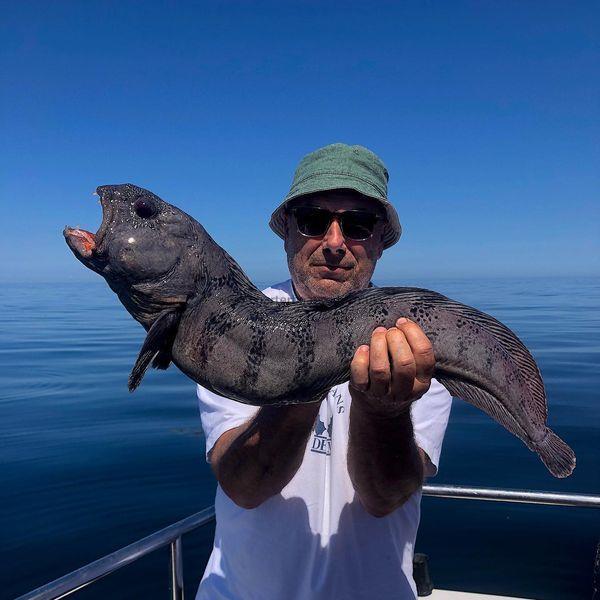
(333,272)
(84,243)
(332,267)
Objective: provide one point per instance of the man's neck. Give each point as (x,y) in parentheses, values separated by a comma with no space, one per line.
(300,298)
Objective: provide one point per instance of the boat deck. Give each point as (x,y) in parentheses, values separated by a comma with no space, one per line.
(451,595)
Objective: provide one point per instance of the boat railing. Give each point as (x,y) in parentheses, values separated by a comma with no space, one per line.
(171,535)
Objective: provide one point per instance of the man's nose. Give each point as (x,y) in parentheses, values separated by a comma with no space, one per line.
(333,240)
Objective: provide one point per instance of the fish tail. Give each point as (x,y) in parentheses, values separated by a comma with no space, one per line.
(556,455)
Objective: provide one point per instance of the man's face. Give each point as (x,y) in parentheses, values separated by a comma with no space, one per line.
(332,265)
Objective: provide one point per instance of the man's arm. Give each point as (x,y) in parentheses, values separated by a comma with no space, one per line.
(257,460)
(384,462)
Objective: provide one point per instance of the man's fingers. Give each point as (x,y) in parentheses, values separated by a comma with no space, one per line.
(403,363)
(422,351)
(379,363)
(399,362)
(359,369)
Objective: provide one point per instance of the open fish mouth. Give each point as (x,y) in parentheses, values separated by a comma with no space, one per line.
(80,240)
(85,244)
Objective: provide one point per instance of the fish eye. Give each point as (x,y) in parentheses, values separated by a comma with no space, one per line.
(145,208)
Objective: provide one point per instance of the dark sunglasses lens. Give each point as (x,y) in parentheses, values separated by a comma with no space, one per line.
(312,221)
(358,225)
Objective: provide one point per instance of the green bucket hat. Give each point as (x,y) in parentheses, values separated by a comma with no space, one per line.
(339,166)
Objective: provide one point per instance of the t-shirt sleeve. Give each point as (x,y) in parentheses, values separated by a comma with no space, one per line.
(430,417)
(219,414)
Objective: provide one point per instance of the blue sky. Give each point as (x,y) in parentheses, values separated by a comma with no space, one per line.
(486,114)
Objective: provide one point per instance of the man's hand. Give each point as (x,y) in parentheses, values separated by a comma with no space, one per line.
(394,371)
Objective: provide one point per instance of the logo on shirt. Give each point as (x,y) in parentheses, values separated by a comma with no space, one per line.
(321,441)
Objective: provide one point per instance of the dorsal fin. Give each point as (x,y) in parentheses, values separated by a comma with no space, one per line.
(156,348)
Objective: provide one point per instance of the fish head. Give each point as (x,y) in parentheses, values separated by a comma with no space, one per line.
(145,248)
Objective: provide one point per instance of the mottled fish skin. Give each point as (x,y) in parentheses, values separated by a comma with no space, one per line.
(203,313)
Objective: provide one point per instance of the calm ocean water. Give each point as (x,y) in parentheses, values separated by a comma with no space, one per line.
(87,468)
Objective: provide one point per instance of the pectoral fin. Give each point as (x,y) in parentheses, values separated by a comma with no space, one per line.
(157,347)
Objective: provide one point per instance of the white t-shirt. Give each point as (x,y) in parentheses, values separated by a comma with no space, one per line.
(314,541)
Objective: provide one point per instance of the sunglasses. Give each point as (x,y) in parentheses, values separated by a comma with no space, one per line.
(356,225)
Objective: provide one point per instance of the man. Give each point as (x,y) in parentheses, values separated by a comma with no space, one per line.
(321,500)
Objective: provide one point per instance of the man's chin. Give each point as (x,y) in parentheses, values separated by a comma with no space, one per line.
(324,288)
